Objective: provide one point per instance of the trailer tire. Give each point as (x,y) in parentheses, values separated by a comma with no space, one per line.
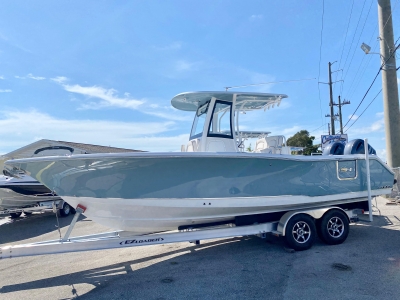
(300,232)
(65,210)
(15,215)
(334,227)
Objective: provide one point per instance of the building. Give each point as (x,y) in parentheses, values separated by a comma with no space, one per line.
(50,148)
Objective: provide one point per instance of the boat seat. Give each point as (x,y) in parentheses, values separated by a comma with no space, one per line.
(193,146)
(272,143)
(261,144)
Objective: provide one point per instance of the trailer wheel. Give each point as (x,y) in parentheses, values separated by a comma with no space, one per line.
(65,210)
(300,232)
(334,227)
(15,215)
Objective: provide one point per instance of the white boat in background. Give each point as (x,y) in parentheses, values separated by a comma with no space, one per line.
(23,191)
(213,180)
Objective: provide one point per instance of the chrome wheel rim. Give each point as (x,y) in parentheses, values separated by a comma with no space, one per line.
(301,232)
(66,208)
(335,227)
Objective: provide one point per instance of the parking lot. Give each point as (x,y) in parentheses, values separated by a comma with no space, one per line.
(366,266)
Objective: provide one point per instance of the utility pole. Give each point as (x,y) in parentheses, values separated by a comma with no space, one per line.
(340,116)
(331,99)
(389,84)
(340,112)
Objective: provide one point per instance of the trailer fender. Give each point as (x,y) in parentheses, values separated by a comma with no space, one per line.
(314,213)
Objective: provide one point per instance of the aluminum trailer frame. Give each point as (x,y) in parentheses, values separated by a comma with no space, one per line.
(43,205)
(123,239)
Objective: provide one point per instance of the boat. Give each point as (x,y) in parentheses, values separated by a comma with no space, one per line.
(22,192)
(213,180)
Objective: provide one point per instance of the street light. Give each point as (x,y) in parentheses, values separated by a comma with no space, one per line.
(367,50)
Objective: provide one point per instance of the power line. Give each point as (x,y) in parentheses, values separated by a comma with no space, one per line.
(376,76)
(359,78)
(246,85)
(350,90)
(351,45)
(376,27)
(390,15)
(363,111)
(365,95)
(345,37)
(362,30)
(317,128)
(370,41)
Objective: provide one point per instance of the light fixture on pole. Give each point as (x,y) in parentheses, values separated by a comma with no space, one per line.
(367,50)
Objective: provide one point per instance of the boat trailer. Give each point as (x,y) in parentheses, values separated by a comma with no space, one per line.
(297,226)
(53,205)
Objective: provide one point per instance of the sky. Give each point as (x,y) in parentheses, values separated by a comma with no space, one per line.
(104,72)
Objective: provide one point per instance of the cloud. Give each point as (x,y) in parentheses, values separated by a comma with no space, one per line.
(291,131)
(1,77)
(5,91)
(59,79)
(35,77)
(254,18)
(252,81)
(381,153)
(30,76)
(353,117)
(167,115)
(378,125)
(108,97)
(18,128)
(184,66)
(172,46)
(380,114)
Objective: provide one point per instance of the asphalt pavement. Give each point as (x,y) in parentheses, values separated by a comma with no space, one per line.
(365,266)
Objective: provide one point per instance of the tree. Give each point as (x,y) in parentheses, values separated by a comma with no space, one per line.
(303,139)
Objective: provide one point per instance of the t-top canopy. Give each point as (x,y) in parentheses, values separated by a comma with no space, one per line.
(190,101)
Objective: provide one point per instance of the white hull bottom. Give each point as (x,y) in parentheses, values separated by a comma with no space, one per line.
(154,215)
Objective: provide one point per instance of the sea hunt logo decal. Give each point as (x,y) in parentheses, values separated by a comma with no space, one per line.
(127,242)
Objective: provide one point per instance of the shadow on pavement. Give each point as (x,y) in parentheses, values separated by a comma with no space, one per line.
(189,272)
(25,227)
(236,267)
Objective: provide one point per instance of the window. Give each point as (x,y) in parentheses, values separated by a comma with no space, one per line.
(199,120)
(346,169)
(220,124)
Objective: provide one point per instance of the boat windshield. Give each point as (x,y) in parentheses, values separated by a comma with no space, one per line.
(199,120)
(220,125)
